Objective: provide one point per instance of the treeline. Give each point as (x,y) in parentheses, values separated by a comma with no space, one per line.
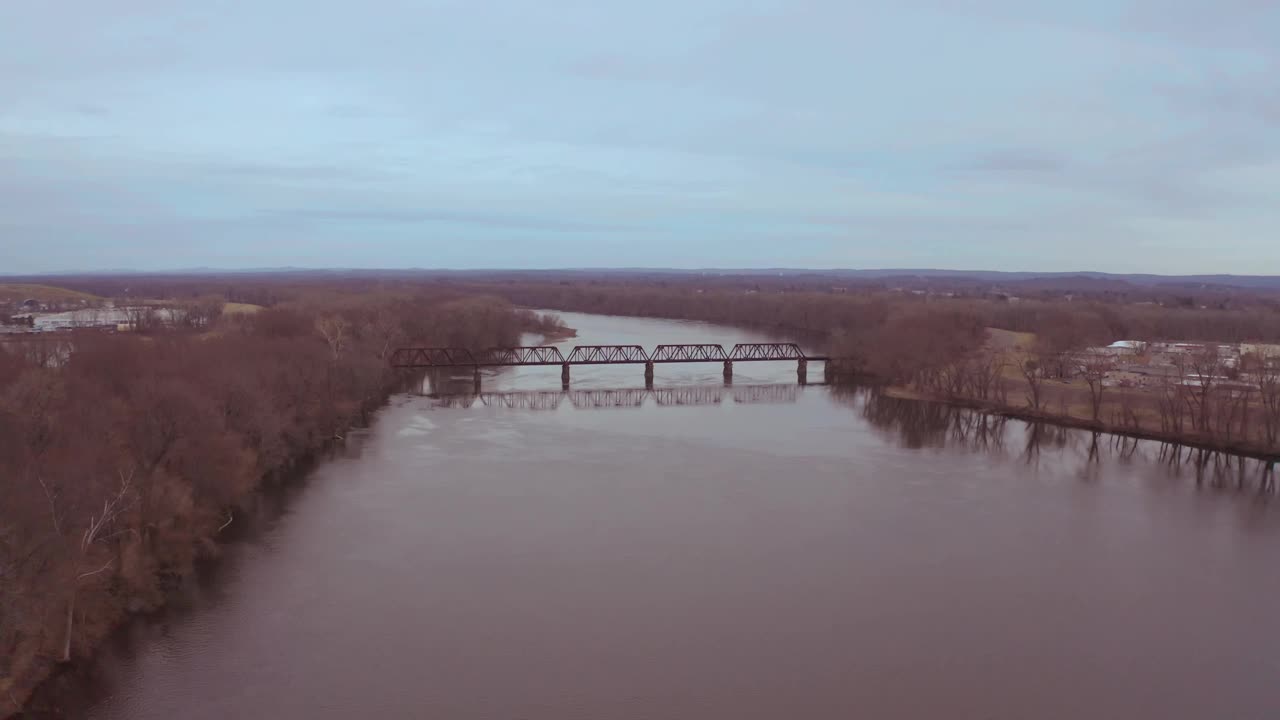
(866,324)
(846,311)
(123,456)
(1080,324)
(942,347)
(268,287)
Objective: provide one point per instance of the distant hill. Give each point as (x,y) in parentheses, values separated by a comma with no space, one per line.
(18,292)
(1084,281)
(1097,279)
(1084,277)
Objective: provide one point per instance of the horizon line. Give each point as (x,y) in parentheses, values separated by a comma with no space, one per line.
(605,269)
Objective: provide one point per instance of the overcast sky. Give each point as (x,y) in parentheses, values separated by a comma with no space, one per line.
(993,134)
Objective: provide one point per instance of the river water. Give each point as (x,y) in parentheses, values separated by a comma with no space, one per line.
(759,551)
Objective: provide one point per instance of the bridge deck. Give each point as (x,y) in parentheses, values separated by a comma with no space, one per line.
(431,357)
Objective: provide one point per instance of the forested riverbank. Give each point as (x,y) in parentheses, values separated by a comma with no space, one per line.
(1029,358)
(124,456)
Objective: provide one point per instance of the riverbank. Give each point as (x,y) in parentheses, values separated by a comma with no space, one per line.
(38,696)
(551,337)
(60,693)
(1196,441)
(124,467)
(44,697)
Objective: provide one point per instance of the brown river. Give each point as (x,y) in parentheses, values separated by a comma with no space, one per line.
(763,550)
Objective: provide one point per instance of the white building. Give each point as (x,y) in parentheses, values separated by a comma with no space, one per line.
(1127,347)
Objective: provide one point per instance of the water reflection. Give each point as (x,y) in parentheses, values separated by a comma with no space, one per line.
(918,424)
(1218,469)
(612,398)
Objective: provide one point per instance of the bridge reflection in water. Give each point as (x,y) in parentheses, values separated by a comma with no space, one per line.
(624,397)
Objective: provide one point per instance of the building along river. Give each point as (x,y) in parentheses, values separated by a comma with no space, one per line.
(761,551)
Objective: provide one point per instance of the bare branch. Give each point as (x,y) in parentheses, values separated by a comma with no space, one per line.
(82,576)
(53,510)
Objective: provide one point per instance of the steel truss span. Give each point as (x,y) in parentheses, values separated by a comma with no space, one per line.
(444,357)
(688,353)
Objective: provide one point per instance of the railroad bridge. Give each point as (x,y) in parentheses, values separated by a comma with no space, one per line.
(548,355)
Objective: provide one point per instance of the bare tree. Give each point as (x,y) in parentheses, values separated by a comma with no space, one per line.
(1244,399)
(1034,375)
(334,329)
(202,313)
(1170,403)
(1269,391)
(387,331)
(98,530)
(1128,415)
(1205,367)
(983,372)
(1093,367)
(951,380)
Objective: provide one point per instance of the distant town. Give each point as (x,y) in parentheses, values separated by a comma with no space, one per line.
(1140,364)
(67,313)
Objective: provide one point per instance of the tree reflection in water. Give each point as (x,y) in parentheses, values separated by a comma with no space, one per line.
(919,424)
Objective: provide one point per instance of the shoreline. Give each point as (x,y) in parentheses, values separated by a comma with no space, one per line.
(41,696)
(558,336)
(1244,449)
(38,698)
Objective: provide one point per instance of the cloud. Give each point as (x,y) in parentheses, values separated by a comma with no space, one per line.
(670,133)
(500,221)
(1020,161)
(263,171)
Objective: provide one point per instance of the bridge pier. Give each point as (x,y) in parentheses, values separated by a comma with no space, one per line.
(648,373)
(828,372)
(728,372)
(802,371)
(564,375)
(477,379)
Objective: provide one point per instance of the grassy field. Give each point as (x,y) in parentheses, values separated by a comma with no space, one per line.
(235,308)
(1007,340)
(17,292)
